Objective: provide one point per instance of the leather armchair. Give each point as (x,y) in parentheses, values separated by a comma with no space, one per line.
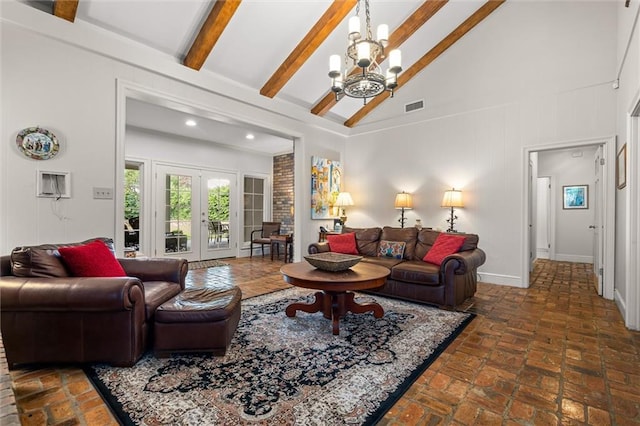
(80,320)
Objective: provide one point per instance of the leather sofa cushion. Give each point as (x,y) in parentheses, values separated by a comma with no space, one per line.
(408,235)
(417,272)
(387,262)
(426,238)
(366,238)
(44,260)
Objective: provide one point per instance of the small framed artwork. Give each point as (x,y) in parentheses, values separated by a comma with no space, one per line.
(575,197)
(621,167)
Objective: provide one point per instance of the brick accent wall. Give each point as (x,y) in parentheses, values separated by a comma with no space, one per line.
(283,191)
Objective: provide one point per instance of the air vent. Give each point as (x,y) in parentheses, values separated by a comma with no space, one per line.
(414,106)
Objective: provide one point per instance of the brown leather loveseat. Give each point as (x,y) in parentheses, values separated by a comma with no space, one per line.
(449,284)
(48,316)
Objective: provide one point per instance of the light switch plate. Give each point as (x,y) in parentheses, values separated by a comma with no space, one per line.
(102,193)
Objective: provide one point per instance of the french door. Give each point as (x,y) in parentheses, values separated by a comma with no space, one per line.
(195,217)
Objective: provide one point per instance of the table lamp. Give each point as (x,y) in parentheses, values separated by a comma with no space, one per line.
(451,199)
(403,202)
(344,199)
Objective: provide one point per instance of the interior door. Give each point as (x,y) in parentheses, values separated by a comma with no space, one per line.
(543,228)
(598,241)
(218,217)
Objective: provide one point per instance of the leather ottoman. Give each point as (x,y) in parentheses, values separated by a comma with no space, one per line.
(197,320)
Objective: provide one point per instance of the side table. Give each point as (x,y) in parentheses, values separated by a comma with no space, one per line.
(282,239)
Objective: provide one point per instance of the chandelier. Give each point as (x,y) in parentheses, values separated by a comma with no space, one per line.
(367,81)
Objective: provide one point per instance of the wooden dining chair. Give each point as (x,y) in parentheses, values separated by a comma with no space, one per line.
(261,236)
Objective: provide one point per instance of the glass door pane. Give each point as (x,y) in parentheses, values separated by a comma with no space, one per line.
(177,211)
(218,216)
(177,225)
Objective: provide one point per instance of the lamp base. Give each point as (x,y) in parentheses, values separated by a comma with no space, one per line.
(451,221)
(402,218)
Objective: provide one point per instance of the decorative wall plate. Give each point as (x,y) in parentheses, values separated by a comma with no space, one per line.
(37,143)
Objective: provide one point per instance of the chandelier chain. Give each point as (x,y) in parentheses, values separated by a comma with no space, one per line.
(368,19)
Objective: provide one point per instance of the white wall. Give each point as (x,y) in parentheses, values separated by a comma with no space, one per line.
(537,74)
(627,287)
(573,240)
(141,143)
(72,91)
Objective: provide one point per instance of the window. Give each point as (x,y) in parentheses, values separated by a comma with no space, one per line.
(253,205)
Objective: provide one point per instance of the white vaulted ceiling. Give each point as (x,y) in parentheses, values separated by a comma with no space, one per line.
(253,40)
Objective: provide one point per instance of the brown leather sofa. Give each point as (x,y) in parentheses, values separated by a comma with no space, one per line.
(49,317)
(449,284)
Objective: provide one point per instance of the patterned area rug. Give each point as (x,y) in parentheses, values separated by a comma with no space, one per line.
(287,371)
(206,264)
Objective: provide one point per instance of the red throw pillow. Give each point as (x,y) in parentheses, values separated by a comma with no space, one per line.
(444,245)
(91,260)
(343,243)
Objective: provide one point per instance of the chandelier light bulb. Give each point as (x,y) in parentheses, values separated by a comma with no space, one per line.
(383,34)
(354,28)
(395,61)
(334,66)
(392,80)
(364,54)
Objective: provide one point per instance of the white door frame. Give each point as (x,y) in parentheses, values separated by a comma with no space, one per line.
(608,181)
(632,190)
(131,90)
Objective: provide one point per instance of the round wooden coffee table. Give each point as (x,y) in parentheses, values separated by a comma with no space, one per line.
(335,298)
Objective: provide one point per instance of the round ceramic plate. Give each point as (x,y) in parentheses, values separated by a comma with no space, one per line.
(37,143)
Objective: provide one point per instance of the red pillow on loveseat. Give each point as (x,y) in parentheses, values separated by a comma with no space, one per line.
(343,243)
(91,260)
(445,245)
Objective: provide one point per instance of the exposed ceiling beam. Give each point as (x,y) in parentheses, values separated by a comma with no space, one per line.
(399,36)
(429,57)
(314,38)
(65,9)
(216,22)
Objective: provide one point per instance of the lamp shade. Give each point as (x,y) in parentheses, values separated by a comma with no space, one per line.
(452,198)
(344,199)
(403,201)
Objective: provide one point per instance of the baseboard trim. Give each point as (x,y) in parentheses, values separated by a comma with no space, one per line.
(621,304)
(573,258)
(501,279)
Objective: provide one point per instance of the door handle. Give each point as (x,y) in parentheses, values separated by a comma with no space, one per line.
(592,227)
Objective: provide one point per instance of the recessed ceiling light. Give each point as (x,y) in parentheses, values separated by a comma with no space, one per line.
(250,136)
(190,123)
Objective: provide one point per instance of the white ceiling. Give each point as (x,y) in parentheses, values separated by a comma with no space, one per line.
(172,121)
(259,37)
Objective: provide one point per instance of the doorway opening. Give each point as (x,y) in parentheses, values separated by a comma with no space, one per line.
(591,232)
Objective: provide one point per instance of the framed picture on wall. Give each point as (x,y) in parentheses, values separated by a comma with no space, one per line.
(621,167)
(575,197)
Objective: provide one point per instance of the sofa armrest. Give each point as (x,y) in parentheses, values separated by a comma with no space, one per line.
(71,294)
(467,260)
(157,269)
(318,248)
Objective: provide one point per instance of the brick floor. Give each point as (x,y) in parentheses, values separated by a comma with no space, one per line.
(555,353)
